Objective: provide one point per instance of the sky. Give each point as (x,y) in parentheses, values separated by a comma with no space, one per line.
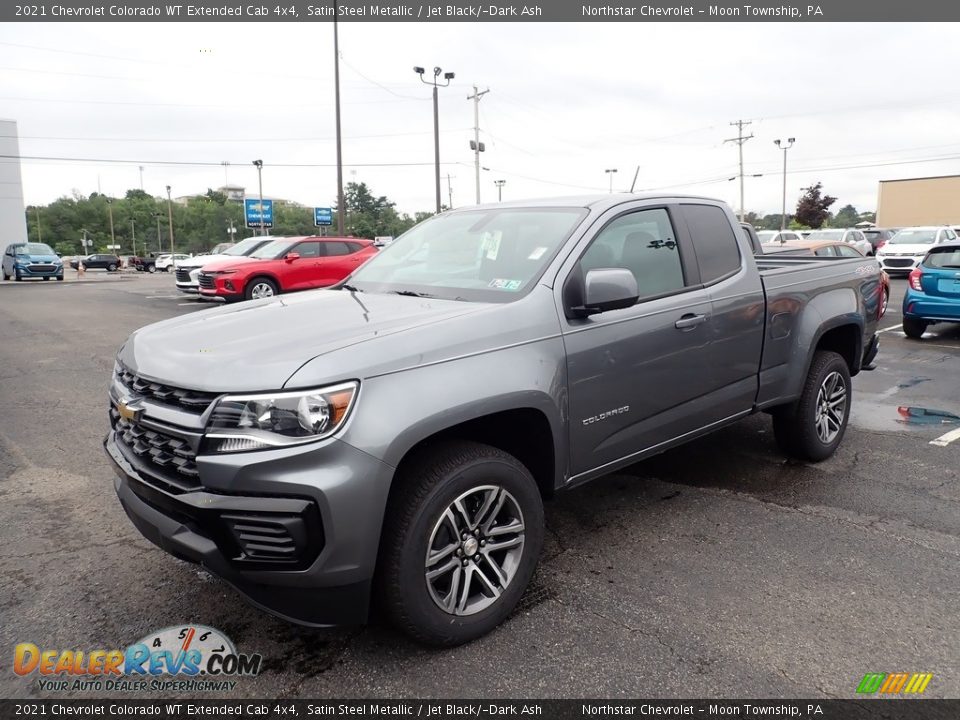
(566,102)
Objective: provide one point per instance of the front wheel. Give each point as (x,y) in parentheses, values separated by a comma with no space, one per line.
(152,269)
(914,328)
(260,288)
(111,268)
(462,538)
(813,426)
(17,276)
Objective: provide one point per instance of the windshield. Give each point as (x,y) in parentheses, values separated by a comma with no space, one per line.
(766,235)
(244,247)
(948,257)
(35,249)
(914,237)
(872,234)
(482,255)
(826,235)
(274,249)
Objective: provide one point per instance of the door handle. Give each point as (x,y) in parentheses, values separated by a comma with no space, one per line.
(689,321)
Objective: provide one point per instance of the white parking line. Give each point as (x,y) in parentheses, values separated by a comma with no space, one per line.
(898,326)
(947,438)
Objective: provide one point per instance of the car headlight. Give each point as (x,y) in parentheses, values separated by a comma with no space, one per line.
(268,420)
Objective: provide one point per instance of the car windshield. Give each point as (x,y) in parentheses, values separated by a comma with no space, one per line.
(479,255)
(766,235)
(35,249)
(244,247)
(826,235)
(273,250)
(914,237)
(948,257)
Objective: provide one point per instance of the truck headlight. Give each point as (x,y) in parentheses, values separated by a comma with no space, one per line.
(267,420)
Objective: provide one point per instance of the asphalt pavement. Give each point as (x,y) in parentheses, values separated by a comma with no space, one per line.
(715,570)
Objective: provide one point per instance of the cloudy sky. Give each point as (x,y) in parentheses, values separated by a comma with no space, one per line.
(865,102)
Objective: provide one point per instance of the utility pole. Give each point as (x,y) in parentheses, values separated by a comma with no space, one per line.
(784,146)
(159,240)
(740,139)
(449,193)
(499,184)
(113,238)
(133,236)
(39,231)
(141,179)
(477,145)
(170,227)
(259,165)
(341,209)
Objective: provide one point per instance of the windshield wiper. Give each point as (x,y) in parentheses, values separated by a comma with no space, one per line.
(412,293)
(350,288)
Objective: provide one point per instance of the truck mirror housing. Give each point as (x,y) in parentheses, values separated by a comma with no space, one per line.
(608,289)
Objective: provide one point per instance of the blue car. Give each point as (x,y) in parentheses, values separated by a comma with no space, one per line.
(933,292)
(31,260)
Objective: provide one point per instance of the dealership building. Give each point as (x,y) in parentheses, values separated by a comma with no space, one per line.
(13,223)
(919,201)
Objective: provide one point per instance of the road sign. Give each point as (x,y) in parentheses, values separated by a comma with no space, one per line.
(322,216)
(253,213)
(113,247)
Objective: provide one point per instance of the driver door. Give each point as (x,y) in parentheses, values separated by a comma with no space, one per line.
(302,272)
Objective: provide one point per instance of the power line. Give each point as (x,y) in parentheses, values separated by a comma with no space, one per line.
(740,139)
(185,163)
(222,140)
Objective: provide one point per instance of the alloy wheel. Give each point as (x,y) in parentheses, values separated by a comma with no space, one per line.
(831,407)
(261,290)
(474,550)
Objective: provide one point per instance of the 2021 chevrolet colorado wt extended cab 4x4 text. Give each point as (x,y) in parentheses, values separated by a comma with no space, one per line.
(393,437)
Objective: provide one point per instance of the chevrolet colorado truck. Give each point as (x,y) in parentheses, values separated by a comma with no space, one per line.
(392,439)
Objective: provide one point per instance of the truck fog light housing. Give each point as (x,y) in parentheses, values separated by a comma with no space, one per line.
(240,423)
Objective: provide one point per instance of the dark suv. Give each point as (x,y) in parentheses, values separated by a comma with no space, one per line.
(110,263)
(878,237)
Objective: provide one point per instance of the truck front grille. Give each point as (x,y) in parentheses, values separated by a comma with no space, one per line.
(166,461)
(193,400)
(206,281)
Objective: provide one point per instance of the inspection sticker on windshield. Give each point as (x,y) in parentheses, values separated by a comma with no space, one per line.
(504,284)
(491,244)
(537,253)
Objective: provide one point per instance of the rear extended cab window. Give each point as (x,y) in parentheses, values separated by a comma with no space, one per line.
(714,241)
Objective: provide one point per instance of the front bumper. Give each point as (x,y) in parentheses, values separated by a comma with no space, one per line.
(327,498)
(28,271)
(902,264)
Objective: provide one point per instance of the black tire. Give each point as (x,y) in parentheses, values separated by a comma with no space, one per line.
(59,278)
(914,328)
(152,269)
(16,275)
(427,485)
(5,276)
(111,268)
(46,278)
(797,426)
(248,291)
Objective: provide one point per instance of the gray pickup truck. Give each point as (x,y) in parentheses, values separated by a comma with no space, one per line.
(392,439)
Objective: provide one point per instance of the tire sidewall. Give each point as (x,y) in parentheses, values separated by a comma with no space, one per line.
(815,447)
(419,606)
(248,292)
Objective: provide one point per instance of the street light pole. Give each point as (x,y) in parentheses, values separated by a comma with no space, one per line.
(336,83)
(170,226)
(499,184)
(39,230)
(436,120)
(610,172)
(259,164)
(159,239)
(784,146)
(133,236)
(113,238)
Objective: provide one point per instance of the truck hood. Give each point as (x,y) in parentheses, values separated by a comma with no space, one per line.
(259,345)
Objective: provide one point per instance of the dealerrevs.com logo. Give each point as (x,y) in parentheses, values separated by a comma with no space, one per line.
(186,658)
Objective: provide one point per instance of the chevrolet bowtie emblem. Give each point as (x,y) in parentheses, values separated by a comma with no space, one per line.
(128,411)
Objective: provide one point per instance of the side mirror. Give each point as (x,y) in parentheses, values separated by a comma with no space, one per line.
(59,255)
(608,289)
(291,256)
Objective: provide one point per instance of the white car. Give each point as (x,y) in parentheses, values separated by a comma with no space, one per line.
(164,262)
(188,271)
(778,236)
(904,251)
(851,236)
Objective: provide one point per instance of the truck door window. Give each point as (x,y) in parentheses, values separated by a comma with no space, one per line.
(718,252)
(644,243)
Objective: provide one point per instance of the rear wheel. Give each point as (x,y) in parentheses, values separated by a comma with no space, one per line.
(259,288)
(812,427)
(914,328)
(111,267)
(151,268)
(461,541)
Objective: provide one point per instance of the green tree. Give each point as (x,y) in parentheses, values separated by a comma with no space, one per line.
(813,209)
(846,217)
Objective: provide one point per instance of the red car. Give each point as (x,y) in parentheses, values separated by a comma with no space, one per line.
(285,265)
